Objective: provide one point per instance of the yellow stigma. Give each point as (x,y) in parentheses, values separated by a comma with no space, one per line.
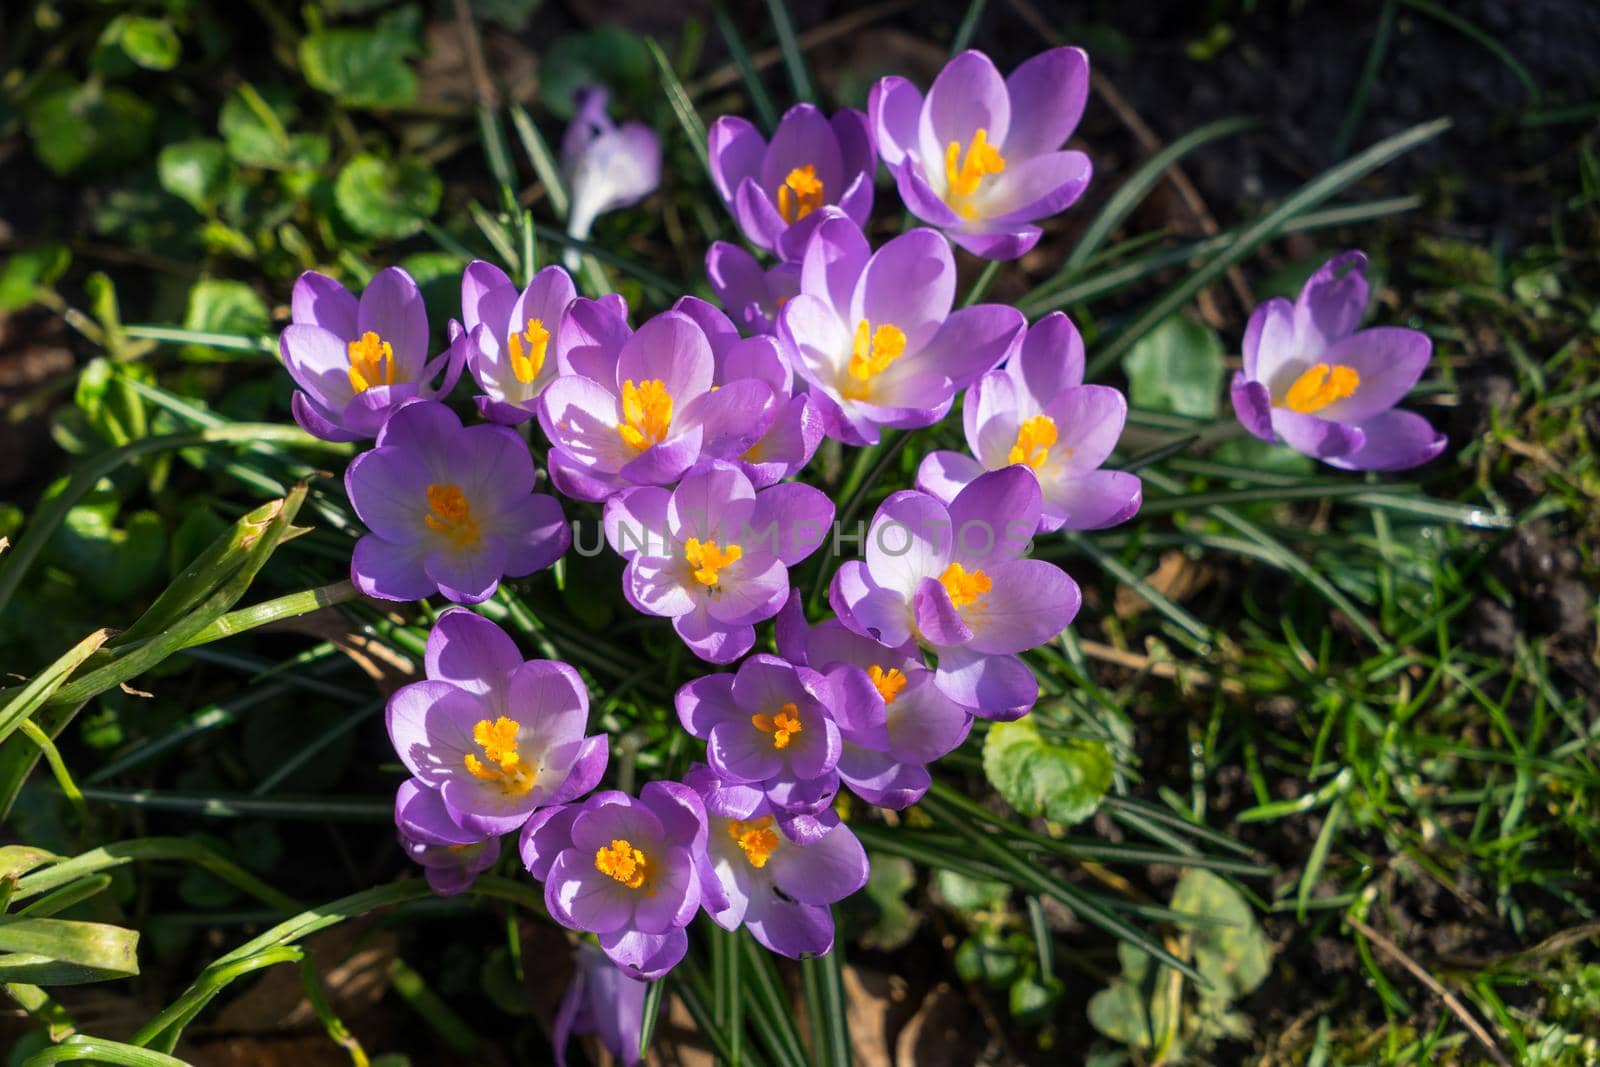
(1321,386)
(782,726)
(1034,439)
(371,362)
(527,350)
(887,682)
(871,355)
(964,588)
(800,194)
(963,177)
(502,762)
(646,413)
(706,560)
(451,515)
(623,862)
(756,838)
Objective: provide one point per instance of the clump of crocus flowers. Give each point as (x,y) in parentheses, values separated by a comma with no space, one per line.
(684,437)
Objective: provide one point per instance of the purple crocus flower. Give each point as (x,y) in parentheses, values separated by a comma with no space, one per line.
(451,858)
(713,554)
(626,870)
(893,719)
(1319,385)
(512,347)
(979,157)
(605,166)
(776,191)
(451,509)
(637,408)
(780,439)
(874,336)
(603,1001)
(769,725)
(356,361)
(495,737)
(777,887)
(753,294)
(1037,412)
(953,578)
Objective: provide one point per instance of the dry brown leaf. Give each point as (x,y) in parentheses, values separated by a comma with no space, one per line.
(1177,578)
(388,669)
(354,969)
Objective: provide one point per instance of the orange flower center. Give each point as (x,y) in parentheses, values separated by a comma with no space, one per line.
(501,761)
(706,560)
(964,175)
(756,838)
(782,726)
(964,587)
(646,413)
(527,350)
(887,682)
(870,355)
(1321,386)
(1034,439)
(800,194)
(371,362)
(623,862)
(451,515)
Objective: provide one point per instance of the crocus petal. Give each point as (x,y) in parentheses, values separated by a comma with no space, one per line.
(536,534)
(973,340)
(1000,688)
(742,753)
(646,956)
(388,488)
(939,622)
(545,835)
(756,215)
(680,809)
(705,701)
(1091,501)
(1392,441)
(580,418)
(1333,299)
(944,474)
(672,349)
(636,522)
(800,514)
(1050,359)
(822,873)
(1390,361)
(470,652)
(1315,437)
(881,780)
(479,280)
(712,640)
(921,199)
(909,540)
(318,361)
(318,300)
(967,96)
(421,816)
(1269,342)
(999,241)
(468,576)
(993,518)
(674,894)
(429,726)
(587,770)
(317,420)
(1032,602)
(592,332)
(736,149)
(1047,95)
(804,137)
(572,479)
(390,571)
(834,261)
(582,898)
(923,723)
(391,305)
(731,418)
(657,585)
(1036,188)
(994,410)
(424,427)
(1091,418)
(1253,406)
(910,283)
(894,109)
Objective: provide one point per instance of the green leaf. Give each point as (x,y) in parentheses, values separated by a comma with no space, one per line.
(971,894)
(1032,999)
(18,860)
(608,56)
(361,68)
(1063,782)
(1118,1011)
(26,273)
(1176,367)
(90,129)
(890,880)
(512,14)
(196,172)
(1235,958)
(988,957)
(382,199)
(130,41)
(114,563)
(63,952)
(255,127)
(438,276)
(223,305)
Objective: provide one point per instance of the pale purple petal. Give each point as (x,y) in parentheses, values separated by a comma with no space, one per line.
(391,305)
(1047,93)
(995,687)
(470,652)
(944,474)
(1392,441)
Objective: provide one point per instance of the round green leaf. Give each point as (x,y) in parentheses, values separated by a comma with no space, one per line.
(222,305)
(255,127)
(383,199)
(130,41)
(1235,958)
(1176,367)
(25,273)
(608,56)
(195,172)
(87,129)
(361,68)
(1063,782)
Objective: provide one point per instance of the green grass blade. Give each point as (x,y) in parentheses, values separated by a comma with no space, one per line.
(682,107)
(830,1019)
(760,99)
(968,27)
(794,61)
(82,1048)
(33,695)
